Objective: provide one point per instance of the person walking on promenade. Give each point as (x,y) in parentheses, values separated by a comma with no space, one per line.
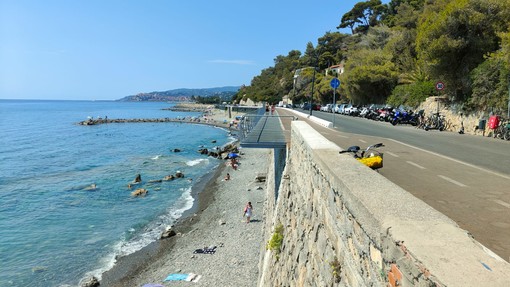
(248,209)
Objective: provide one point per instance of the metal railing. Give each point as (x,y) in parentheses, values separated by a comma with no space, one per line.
(248,122)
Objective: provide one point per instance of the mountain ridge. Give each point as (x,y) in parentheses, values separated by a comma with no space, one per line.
(182,94)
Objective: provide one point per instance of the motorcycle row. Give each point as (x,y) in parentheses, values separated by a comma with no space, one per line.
(395,116)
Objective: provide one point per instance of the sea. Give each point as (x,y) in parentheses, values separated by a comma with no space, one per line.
(66,210)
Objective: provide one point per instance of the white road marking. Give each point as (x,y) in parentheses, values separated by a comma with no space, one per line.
(345,137)
(507,205)
(452,159)
(452,181)
(362,141)
(392,154)
(415,164)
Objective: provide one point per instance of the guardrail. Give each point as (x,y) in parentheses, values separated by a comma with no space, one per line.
(249,123)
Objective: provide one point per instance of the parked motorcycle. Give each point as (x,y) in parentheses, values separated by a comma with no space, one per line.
(370,157)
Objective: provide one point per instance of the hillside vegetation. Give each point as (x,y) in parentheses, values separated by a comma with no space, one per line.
(215,95)
(396,54)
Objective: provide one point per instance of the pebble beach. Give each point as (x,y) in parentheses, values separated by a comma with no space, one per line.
(216,219)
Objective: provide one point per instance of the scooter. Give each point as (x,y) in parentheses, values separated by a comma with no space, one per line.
(369,157)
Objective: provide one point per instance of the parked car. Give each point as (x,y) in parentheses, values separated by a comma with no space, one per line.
(340,108)
(350,110)
(327,108)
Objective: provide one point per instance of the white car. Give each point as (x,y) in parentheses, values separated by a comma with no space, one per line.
(339,109)
(327,108)
(350,109)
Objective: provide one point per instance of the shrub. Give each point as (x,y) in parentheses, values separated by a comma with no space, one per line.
(336,269)
(275,243)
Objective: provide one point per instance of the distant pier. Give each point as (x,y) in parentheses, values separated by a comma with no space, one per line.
(188,120)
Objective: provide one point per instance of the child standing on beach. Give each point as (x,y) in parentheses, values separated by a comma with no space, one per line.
(248,211)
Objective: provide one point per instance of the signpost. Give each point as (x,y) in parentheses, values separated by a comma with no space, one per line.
(439,87)
(335,83)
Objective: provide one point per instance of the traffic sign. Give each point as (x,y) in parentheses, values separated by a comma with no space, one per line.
(439,86)
(335,83)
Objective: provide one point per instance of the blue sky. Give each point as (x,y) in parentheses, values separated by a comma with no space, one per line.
(105,50)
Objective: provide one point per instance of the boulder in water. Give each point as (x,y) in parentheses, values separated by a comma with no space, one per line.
(89,282)
(139,192)
(169,232)
(169,177)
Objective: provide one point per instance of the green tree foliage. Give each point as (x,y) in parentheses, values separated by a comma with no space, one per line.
(273,82)
(490,85)
(371,76)
(363,15)
(400,50)
(453,37)
(411,95)
(403,13)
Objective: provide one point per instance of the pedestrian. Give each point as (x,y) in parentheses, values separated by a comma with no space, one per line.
(227,177)
(248,209)
(272,109)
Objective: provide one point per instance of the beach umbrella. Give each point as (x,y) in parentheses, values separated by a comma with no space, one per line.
(232,155)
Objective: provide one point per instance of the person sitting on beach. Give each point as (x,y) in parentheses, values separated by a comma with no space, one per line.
(227,177)
(233,163)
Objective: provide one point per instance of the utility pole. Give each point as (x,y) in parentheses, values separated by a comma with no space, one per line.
(311,96)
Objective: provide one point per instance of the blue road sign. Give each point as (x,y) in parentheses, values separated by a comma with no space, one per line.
(335,83)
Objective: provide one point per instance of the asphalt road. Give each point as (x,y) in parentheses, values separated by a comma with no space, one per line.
(465,177)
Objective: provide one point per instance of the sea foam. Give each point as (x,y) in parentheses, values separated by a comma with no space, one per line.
(196,161)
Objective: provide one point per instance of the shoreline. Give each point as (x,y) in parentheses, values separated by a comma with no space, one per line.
(216,219)
(199,223)
(134,263)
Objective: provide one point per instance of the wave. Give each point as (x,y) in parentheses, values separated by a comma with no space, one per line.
(156,157)
(149,234)
(196,161)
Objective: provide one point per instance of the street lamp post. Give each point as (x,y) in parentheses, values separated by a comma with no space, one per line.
(311,96)
(294,89)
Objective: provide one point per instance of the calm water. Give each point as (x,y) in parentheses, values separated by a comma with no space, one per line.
(53,230)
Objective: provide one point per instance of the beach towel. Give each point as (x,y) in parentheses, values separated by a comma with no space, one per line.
(191,277)
(206,250)
(153,285)
(176,277)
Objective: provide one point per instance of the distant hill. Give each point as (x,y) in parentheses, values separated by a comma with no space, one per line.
(181,94)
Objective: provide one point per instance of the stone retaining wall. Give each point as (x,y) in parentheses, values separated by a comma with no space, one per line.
(456,118)
(346,225)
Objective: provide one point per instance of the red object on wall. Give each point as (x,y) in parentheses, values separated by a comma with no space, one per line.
(493,122)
